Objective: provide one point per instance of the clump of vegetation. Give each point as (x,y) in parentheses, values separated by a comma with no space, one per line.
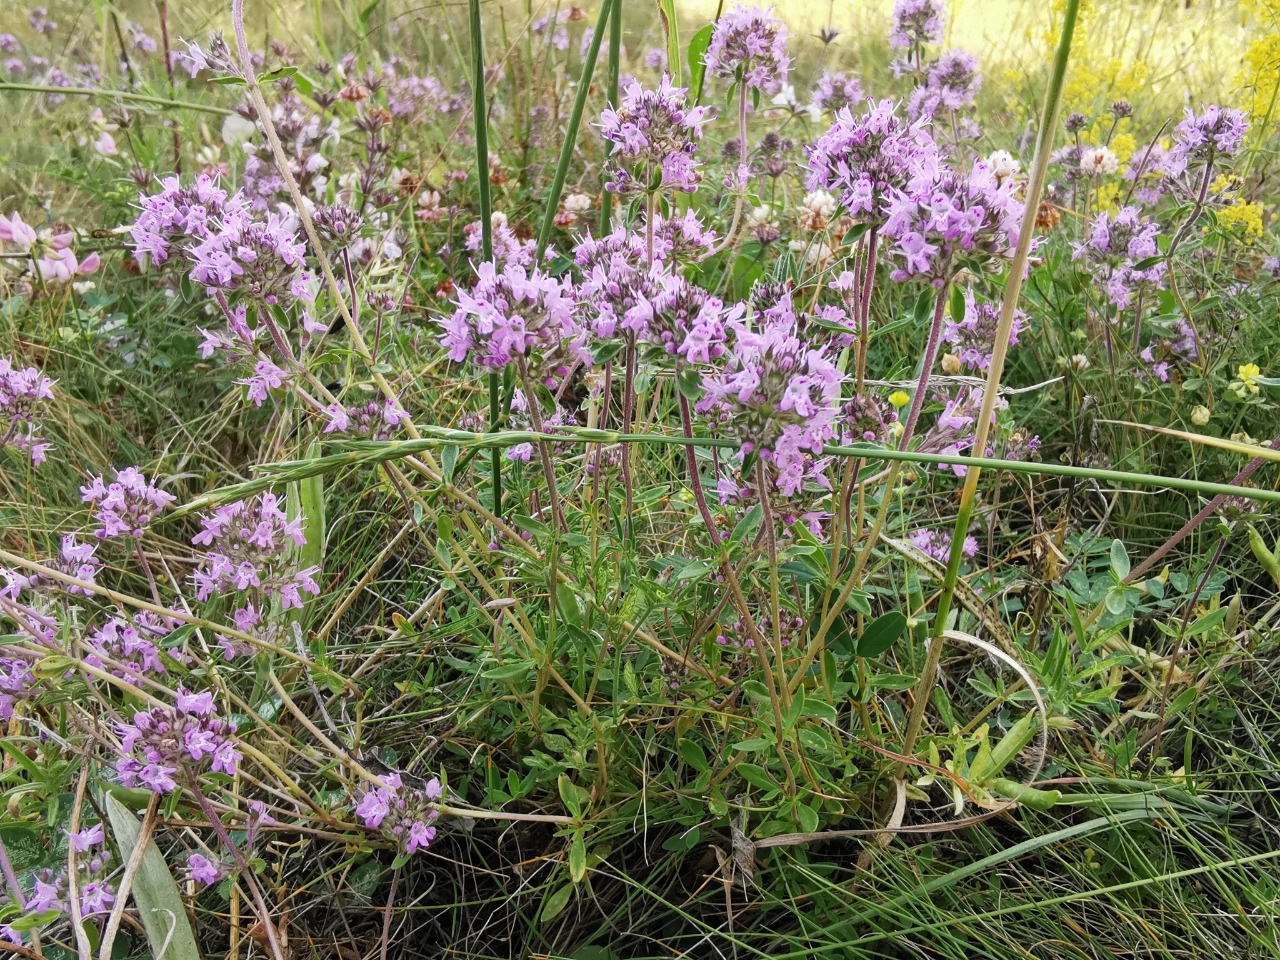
(539,495)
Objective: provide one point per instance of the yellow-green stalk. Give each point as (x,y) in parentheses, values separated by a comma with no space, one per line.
(1012,290)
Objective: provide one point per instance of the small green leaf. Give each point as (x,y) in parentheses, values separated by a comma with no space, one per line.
(697,65)
(554,905)
(577,858)
(671,30)
(508,672)
(530,525)
(807,817)
(1119,559)
(605,353)
(881,634)
(748,525)
(689,383)
(449,461)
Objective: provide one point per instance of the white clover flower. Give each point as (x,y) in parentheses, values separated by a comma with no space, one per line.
(1098,161)
(1003,164)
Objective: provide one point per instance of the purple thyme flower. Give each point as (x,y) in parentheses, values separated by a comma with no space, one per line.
(835,91)
(951,84)
(775,394)
(1114,246)
(131,649)
(687,321)
(126,505)
(516,314)
(1216,130)
(25,394)
(262,258)
(404,814)
(865,158)
(17,682)
(250,555)
(75,559)
(508,248)
(49,889)
(937,544)
(750,44)
(916,22)
(38,17)
(654,134)
(373,420)
(177,213)
(957,220)
(164,745)
(9,43)
(974,334)
(205,871)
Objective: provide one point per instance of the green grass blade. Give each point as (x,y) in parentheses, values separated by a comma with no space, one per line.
(160,906)
(571,130)
(479,111)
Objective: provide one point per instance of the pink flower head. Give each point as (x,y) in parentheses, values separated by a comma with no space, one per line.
(655,134)
(126,505)
(750,44)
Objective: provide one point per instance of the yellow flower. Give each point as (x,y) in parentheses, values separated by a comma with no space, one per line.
(899,398)
(1247,216)
(1246,380)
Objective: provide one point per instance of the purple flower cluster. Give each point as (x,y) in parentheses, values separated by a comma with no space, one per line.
(1115,246)
(750,44)
(868,419)
(303,134)
(125,506)
(164,745)
(516,314)
(974,334)
(867,158)
(406,815)
(24,397)
(508,249)
(957,220)
(130,648)
(778,396)
(205,871)
(937,544)
(372,420)
(686,321)
(951,83)
(655,134)
(1201,136)
(250,554)
(177,213)
(232,249)
(17,682)
(916,22)
(835,91)
(75,559)
(38,17)
(49,890)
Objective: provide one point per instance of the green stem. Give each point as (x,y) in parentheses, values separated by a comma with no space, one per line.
(571,131)
(1035,189)
(611,95)
(114,95)
(480,119)
(353,453)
